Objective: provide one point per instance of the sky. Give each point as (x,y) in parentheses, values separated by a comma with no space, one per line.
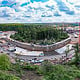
(39,11)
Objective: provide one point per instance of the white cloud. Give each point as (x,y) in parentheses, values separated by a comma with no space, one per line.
(73,1)
(21,1)
(33,12)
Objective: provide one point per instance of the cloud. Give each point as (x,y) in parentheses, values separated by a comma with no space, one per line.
(43,11)
(39,0)
(57,14)
(6,12)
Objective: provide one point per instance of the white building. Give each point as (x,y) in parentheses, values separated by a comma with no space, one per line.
(21,51)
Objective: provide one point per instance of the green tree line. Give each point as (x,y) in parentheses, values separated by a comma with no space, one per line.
(34,33)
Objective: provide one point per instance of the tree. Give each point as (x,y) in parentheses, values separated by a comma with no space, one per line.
(7,76)
(61,72)
(5,63)
(77,59)
(46,67)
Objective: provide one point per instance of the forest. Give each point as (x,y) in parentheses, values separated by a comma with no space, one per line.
(35,33)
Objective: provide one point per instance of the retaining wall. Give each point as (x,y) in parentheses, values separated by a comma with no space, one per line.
(33,47)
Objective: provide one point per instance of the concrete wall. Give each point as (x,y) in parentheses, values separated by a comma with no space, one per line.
(40,47)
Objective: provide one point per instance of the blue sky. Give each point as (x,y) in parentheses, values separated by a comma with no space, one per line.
(39,11)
